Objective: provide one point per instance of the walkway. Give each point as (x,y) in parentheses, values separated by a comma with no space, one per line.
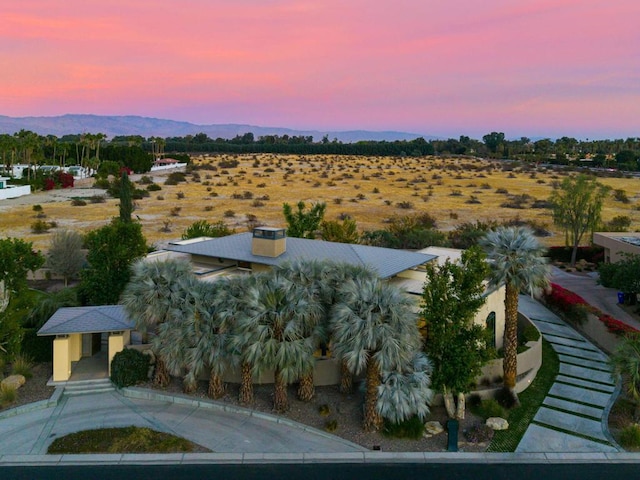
(219,430)
(573,416)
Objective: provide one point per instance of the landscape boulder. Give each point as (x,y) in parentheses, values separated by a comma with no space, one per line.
(14,381)
(497,423)
(432,428)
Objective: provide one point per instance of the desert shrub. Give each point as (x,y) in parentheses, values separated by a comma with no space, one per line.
(541,204)
(491,408)
(331,425)
(257,203)
(40,226)
(619,223)
(145,180)
(413,428)
(160,197)
(97,199)
(630,436)
(154,187)
(478,434)
(502,191)
(37,208)
(505,398)
(22,365)
(324,410)
(101,183)
(473,200)
(229,213)
(208,208)
(129,367)
(404,205)
(175,211)
(455,193)
(180,195)
(78,202)
(620,195)
(232,163)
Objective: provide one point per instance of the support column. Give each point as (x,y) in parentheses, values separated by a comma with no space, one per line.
(61,359)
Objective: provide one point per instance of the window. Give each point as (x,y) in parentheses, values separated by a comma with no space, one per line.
(490,324)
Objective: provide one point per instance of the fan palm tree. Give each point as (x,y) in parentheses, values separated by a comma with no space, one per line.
(374,328)
(312,276)
(516,261)
(274,333)
(151,298)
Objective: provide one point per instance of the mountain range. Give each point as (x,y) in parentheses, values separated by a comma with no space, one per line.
(156,127)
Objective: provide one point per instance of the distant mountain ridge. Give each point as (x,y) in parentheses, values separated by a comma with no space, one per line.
(113,125)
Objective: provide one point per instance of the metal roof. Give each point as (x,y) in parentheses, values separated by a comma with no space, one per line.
(105,318)
(387,262)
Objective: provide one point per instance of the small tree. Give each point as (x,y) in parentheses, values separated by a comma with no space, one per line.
(345,232)
(626,363)
(458,347)
(303,223)
(577,206)
(126,202)
(65,256)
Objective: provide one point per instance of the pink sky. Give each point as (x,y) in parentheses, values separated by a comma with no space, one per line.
(525,67)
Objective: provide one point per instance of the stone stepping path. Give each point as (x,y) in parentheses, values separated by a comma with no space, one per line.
(573,415)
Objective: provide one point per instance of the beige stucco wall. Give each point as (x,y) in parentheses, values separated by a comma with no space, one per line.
(61,359)
(75,346)
(494,303)
(117,342)
(613,247)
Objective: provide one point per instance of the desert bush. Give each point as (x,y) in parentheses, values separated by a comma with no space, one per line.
(229,213)
(8,395)
(37,208)
(129,367)
(630,436)
(40,226)
(154,187)
(257,203)
(175,211)
(473,200)
(479,433)
(180,195)
(404,205)
(502,191)
(324,410)
(331,425)
(620,195)
(101,183)
(455,193)
(145,180)
(491,408)
(619,223)
(78,202)
(413,428)
(97,199)
(22,365)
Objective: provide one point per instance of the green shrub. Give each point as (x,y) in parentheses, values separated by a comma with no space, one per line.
(78,202)
(40,226)
(413,428)
(491,408)
(102,183)
(38,348)
(129,367)
(630,436)
(8,395)
(331,425)
(324,410)
(154,187)
(530,334)
(478,434)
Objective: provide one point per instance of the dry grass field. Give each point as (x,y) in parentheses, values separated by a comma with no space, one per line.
(368,189)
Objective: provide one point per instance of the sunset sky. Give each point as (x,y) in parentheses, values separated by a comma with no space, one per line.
(447,68)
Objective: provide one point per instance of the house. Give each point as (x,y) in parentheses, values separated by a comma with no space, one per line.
(12,191)
(79,332)
(617,244)
(265,247)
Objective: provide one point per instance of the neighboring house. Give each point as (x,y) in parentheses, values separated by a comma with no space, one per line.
(616,244)
(12,191)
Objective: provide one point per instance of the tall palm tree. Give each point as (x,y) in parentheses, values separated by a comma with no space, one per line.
(312,276)
(516,261)
(151,298)
(274,333)
(374,328)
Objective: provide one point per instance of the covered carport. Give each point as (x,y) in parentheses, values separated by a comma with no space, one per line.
(78,333)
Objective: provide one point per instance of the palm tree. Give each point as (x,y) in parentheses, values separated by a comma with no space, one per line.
(312,276)
(274,332)
(626,363)
(374,328)
(516,261)
(151,299)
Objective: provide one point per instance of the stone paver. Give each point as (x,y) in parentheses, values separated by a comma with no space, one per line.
(573,407)
(581,395)
(592,356)
(540,439)
(576,342)
(579,382)
(572,423)
(559,330)
(583,372)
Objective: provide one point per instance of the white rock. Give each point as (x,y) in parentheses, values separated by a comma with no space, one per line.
(497,423)
(433,428)
(15,381)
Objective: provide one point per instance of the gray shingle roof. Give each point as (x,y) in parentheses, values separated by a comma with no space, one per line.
(386,262)
(106,318)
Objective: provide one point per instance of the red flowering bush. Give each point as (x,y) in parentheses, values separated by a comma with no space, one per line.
(575,308)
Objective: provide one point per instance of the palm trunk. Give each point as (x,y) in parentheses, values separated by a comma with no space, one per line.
(161,377)
(460,410)
(189,386)
(372,418)
(216,385)
(306,390)
(510,366)
(346,378)
(246,384)
(280,399)
(449,404)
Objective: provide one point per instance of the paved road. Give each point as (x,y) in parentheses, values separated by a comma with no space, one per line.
(31,433)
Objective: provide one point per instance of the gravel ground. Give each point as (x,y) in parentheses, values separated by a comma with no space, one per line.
(36,387)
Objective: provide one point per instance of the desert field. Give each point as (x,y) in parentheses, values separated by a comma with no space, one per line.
(371,190)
